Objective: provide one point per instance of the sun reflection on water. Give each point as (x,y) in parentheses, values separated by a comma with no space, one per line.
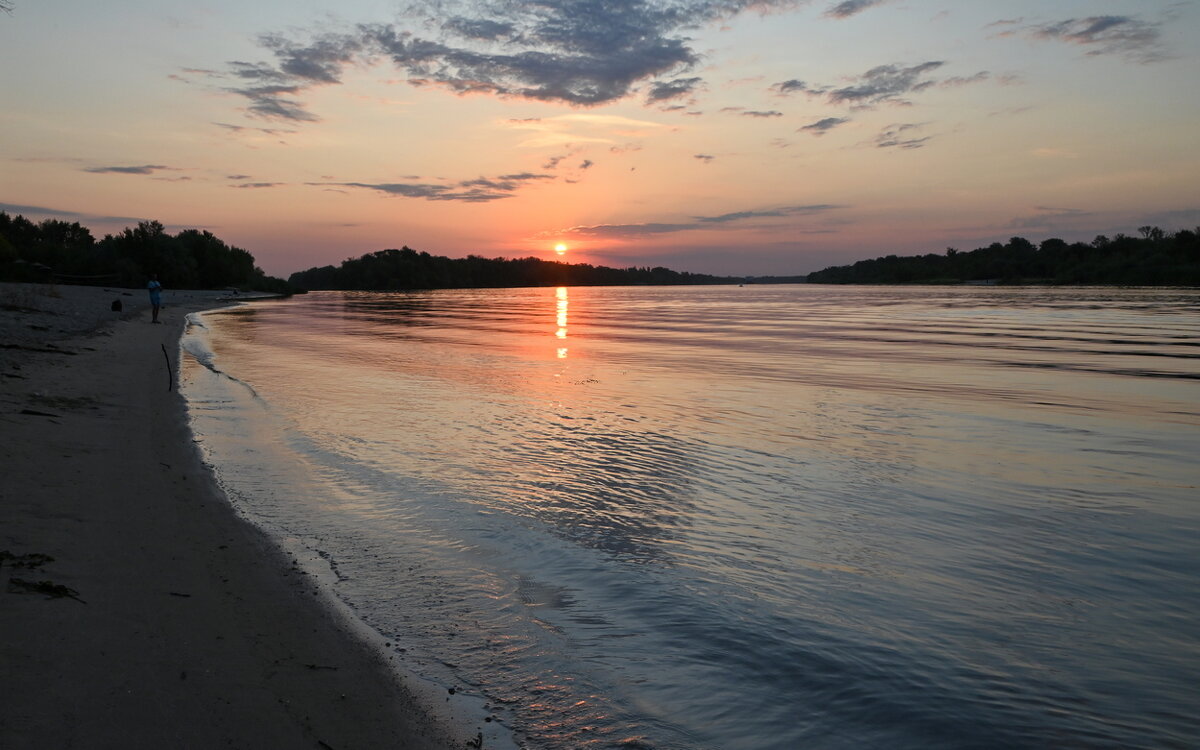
(560,318)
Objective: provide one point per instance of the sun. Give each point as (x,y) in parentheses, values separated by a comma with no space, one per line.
(560,248)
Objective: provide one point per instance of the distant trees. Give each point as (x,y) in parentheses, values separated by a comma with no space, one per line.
(408,269)
(1157,258)
(192,259)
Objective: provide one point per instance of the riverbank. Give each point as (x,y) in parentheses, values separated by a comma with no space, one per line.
(138,609)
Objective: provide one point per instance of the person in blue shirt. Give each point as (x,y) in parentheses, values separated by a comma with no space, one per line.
(155,296)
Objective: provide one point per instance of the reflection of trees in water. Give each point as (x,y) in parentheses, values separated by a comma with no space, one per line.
(383,313)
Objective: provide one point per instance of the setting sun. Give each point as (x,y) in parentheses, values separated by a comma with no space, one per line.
(560,248)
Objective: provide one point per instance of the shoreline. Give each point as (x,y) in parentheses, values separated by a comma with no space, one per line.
(140,609)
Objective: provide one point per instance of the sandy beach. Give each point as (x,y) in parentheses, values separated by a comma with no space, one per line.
(138,609)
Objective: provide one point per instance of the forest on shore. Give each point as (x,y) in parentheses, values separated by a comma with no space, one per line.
(1155,258)
(408,269)
(66,252)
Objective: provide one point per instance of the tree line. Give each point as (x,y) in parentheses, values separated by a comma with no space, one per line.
(54,250)
(1155,258)
(408,269)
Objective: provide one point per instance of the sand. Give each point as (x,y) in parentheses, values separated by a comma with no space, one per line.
(163,620)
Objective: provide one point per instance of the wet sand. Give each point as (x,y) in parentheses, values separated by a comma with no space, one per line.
(138,610)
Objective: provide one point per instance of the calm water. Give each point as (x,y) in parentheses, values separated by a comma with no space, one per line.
(756,518)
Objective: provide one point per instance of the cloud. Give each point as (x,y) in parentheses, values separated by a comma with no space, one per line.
(143,169)
(706,158)
(479,28)
(955,81)
(882,84)
(851,7)
(245,129)
(792,86)
(616,231)
(1126,36)
(61,214)
(269,102)
(787,211)
(760,113)
(257,185)
(821,127)
(478,190)
(577,52)
(885,83)
(901,136)
(16,208)
(662,91)
(632,231)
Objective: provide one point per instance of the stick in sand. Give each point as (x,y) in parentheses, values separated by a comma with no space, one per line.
(170,375)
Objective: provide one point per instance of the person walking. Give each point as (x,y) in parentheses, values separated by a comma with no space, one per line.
(155,296)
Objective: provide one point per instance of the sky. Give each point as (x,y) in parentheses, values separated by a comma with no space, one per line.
(775,137)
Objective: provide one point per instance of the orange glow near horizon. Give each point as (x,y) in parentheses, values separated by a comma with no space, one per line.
(560,248)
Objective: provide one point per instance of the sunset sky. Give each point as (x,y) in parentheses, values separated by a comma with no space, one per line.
(716,136)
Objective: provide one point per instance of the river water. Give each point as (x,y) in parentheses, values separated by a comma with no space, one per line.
(745,518)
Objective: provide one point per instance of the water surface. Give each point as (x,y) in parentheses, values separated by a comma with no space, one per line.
(744,517)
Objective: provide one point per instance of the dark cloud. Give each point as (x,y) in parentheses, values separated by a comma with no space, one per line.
(1106,35)
(662,91)
(143,169)
(27,211)
(882,84)
(821,127)
(578,52)
(760,113)
(626,230)
(479,28)
(706,158)
(586,164)
(792,86)
(699,222)
(771,213)
(16,208)
(851,7)
(244,129)
(257,185)
(270,102)
(318,60)
(901,136)
(260,72)
(954,81)
(886,83)
(478,190)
